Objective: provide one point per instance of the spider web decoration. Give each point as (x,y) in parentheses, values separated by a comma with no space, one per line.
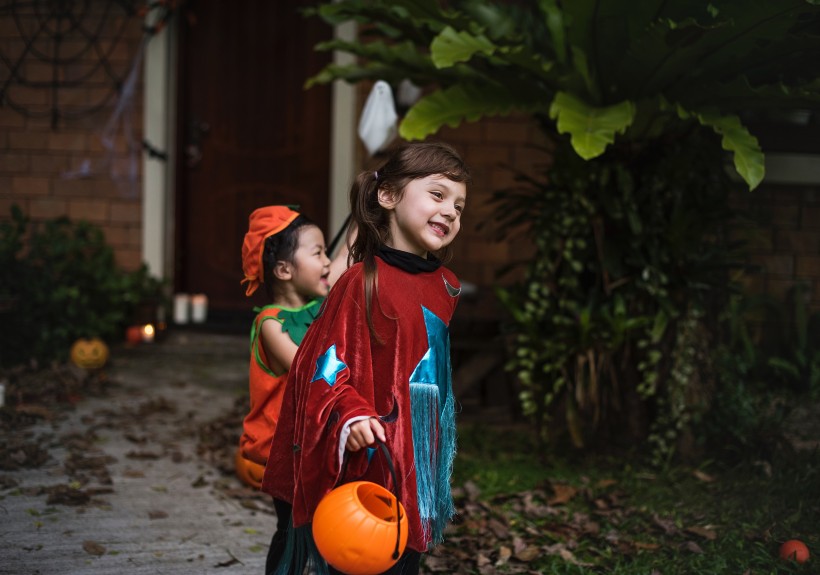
(68,59)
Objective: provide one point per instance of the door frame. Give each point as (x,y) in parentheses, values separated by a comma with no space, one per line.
(159,129)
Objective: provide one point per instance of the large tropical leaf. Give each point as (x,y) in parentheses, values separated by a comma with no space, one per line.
(747,156)
(451,47)
(595,61)
(459,103)
(591,129)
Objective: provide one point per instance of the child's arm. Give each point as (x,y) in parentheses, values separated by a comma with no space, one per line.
(339,263)
(279,348)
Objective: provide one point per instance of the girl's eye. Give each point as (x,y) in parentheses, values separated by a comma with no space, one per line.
(459,209)
(437,194)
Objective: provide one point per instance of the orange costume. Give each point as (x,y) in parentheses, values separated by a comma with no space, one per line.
(266,387)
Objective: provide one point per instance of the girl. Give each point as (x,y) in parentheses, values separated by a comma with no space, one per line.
(376,362)
(285,252)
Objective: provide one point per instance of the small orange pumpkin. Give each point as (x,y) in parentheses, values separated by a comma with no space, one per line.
(794,550)
(358,528)
(89,353)
(250,472)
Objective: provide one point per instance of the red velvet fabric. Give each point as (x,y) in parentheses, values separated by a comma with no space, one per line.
(304,459)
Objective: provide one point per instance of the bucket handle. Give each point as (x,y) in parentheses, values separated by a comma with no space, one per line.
(392,468)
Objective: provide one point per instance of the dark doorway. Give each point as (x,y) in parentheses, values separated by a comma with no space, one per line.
(249,135)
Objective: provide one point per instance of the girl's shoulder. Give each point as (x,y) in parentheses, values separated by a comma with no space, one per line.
(352,274)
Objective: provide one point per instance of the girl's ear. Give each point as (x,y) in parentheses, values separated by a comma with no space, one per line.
(282,271)
(387,199)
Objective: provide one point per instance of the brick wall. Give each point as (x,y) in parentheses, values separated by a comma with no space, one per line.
(490,147)
(37,158)
(785,240)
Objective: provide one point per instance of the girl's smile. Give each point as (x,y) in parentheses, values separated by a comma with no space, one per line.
(427,216)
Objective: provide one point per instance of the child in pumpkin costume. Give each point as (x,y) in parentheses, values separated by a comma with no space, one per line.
(375,363)
(285,252)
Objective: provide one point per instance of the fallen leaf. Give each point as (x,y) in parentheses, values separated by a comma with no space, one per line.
(646,545)
(668,525)
(66,495)
(569,557)
(498,528)
(142,455)
(436,564)
(157,515)
(35,410)
(705,532)
(528,554)
(504,554)
(705,477)
(562,493)
(692,547)
(601,504)
(93,548)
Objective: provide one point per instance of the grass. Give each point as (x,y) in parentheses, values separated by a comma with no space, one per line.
(615,514)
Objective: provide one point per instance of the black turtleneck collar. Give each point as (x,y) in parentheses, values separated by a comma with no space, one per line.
(408,262)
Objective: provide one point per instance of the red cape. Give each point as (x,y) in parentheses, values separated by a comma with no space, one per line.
(341,373)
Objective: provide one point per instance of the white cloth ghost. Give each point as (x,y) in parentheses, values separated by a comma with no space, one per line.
(378,124)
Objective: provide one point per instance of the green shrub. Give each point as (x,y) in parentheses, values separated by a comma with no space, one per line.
(60,282)
(617,311)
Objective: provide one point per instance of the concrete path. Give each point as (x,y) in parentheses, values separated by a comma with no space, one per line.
(124,489)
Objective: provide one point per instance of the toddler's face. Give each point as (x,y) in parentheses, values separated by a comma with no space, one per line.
(311,266)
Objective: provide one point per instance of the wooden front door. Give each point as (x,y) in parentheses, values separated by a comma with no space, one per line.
(249,135)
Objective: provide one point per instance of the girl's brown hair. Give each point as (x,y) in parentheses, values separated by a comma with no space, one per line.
(405,164)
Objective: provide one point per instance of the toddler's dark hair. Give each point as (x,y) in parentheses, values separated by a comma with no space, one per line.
(281,247)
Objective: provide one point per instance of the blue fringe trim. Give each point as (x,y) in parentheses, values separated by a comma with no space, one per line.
(434,446)
(300,550)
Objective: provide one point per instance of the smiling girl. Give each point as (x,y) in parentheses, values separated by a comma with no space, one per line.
(375,364)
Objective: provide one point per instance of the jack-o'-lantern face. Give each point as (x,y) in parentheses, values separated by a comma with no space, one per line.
(89,353)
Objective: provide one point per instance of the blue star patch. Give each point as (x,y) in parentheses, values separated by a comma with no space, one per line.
(328,366)
(433,366)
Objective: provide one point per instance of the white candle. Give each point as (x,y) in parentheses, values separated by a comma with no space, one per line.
(148,333)
(182,312)
(199,307)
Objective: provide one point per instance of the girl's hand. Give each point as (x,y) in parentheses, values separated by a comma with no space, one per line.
(364,433)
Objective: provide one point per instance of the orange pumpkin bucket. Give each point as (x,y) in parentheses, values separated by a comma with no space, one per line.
(360,528)
(250,472)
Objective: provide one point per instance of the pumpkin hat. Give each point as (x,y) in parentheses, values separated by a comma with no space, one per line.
(262,224)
